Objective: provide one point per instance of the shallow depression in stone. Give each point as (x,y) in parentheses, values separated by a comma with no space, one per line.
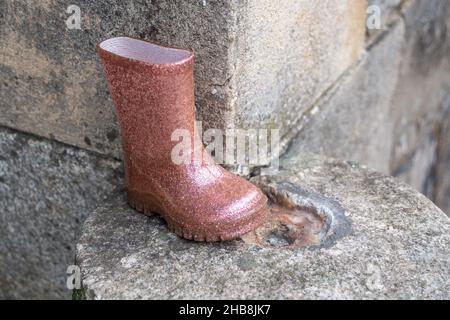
(288,226)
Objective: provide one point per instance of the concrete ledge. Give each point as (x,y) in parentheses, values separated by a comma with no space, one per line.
(396,248)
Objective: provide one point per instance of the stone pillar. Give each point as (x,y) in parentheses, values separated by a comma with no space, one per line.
(337,231)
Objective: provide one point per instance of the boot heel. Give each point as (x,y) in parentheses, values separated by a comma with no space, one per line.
(143,203)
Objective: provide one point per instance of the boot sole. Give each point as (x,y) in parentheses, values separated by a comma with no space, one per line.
(231,231)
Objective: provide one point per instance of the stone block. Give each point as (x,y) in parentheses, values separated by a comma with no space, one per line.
(427,168)
(46,191)
(386,111)
(352,121)
(441,189)
(288,53)
(52,82)
(419,101)
(258,63)
(397,247)
(418,169)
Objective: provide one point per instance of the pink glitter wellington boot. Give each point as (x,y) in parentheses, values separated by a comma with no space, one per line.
(153,90)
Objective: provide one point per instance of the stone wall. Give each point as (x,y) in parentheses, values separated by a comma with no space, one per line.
(46,190)
(390,109)
(380,97)
(253,59)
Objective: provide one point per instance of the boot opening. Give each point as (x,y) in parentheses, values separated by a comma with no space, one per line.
(144,51)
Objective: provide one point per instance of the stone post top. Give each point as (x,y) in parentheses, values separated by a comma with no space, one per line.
(338,231)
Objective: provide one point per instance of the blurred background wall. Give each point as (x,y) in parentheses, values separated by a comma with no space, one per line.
(333,75)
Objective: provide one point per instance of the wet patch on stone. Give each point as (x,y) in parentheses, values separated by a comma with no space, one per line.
(288,226)
(299,219)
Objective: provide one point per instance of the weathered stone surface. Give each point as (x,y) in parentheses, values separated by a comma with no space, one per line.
(51,80)
(418,170)
(441,189)
(428,168)
(422,99)
(288,53)
(386,110)
(397,248)
(46,191)
(352,121)
(421,96)
(254,59)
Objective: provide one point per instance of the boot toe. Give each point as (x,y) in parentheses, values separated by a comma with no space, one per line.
(241,213)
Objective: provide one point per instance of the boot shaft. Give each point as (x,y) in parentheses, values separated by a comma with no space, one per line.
(153,90)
